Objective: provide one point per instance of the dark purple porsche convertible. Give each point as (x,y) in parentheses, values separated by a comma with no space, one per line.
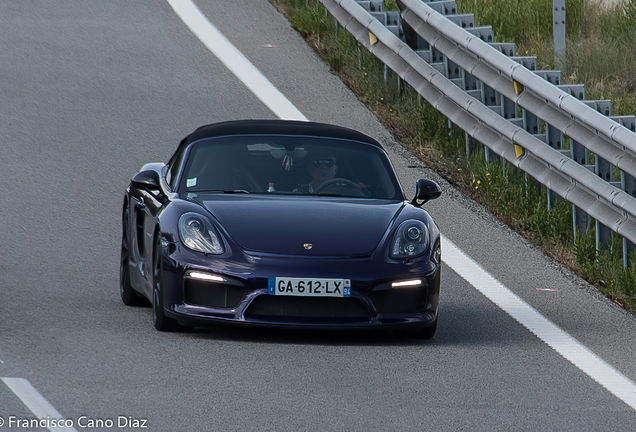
(280,223)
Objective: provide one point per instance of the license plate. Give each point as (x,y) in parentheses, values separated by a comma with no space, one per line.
(310,287)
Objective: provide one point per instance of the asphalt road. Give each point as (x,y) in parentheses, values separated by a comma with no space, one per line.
(90,91)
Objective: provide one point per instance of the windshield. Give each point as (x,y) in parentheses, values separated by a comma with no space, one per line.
(289,165)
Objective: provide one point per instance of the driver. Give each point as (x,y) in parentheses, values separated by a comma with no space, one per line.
(322,167)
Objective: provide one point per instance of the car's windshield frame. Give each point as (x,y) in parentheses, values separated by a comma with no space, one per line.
(295,151)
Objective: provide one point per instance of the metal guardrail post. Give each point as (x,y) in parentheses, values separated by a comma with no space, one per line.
(628,184)
(558,31)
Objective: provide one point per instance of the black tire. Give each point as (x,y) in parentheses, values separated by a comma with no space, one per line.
(159,318)
(129,296)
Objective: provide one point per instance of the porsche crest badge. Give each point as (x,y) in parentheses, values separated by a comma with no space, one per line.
(308,246)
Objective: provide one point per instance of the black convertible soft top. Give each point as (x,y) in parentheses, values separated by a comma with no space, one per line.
(276,127)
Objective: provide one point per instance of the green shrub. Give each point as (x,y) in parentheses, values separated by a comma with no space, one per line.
(390,5)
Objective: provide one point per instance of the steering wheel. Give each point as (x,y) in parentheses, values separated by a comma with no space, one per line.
(242,181)
(338,182)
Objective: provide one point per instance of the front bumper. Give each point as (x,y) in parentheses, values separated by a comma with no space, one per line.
(242,297)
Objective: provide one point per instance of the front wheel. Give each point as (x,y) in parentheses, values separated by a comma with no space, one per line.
(159,318)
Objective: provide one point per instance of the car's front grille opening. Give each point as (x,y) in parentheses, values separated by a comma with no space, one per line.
(305,309)
(212,294)
(399,300)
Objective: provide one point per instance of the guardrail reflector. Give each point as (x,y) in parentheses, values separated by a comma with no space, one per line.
(518,150)
(518,87)
(373,39)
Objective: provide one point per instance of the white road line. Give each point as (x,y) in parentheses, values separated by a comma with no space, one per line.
(39,406)
(571,349)
(235,61)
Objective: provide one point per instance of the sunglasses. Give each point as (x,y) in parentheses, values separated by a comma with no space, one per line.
(328,163)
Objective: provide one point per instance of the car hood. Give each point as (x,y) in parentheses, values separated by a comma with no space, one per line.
(309,226)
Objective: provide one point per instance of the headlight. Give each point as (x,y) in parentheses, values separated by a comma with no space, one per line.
(410,240)
(198,233)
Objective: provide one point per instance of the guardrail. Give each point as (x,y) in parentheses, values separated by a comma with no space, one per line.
(535,92)
(469,60)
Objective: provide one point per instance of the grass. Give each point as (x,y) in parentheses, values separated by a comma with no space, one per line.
(602,56)
(605,268)
(525,22)
(507,193)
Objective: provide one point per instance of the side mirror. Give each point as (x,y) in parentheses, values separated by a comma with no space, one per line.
(148,179)
(425,190)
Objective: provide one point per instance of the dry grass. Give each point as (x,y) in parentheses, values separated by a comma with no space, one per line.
(600,42)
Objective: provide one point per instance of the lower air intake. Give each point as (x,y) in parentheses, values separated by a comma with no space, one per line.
(210,294)
(304,309)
